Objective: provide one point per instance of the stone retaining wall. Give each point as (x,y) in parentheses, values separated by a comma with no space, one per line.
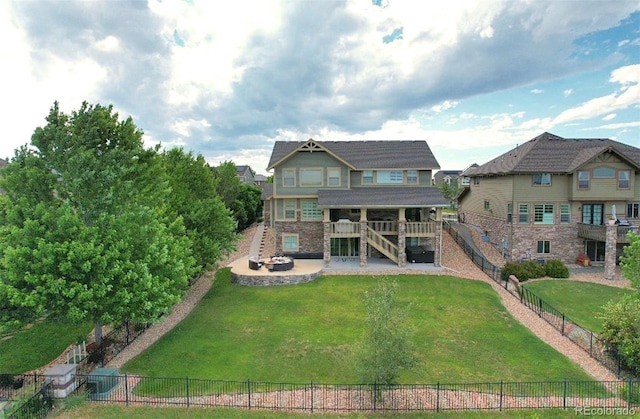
(271,280)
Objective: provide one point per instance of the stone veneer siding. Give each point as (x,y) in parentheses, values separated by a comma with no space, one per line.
(310,235)
(522,239)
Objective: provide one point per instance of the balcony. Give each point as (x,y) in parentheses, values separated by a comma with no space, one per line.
(345,228)
(598,232)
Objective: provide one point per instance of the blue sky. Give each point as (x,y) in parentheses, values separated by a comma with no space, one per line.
(227,79)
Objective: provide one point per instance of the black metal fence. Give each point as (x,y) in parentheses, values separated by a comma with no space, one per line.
(313,397)
(30,405)
(581,336)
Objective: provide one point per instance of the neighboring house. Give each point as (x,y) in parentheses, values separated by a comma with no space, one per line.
(551,198)
(246,174)
(464,180)
(360,199)
(261,180)
(446,176)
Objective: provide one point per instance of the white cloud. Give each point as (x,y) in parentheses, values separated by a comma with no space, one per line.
(568,92)
(609,117)
(536,91)
(628,95)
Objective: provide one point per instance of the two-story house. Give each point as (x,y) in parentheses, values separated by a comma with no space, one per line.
(551,197)
(246,174)
(356,199)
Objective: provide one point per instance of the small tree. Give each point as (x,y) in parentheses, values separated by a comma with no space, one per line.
(386,349)
(621,319)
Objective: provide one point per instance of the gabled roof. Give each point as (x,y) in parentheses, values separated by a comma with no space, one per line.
(382,197)
(548,153)
(240,170)
(361,155)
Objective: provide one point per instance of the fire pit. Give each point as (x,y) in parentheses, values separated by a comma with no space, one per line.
(278,263)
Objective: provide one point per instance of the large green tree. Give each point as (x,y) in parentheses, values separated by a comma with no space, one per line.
(194,197)
(84,229)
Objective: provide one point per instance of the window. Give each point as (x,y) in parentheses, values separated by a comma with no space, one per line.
(543,214)
(633,209)
(523,214)
(289,177)
(509,213)
(623,179)
(290,242)
(603,173)
(583,179)
(412,176)
(310,210)
(333,176)
(367,177)
(592,213)
(565,214)
(542,179)
(290,209)
(310,177)
(465,181)
(487,205)
(389,176)
(476,180)
(544,246)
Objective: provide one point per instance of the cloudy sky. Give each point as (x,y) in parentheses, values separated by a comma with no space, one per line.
(227,79)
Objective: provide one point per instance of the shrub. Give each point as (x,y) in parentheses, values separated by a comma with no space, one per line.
(620,329)
(556,269)
(523,270)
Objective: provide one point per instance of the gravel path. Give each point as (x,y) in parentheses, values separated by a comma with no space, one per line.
(456,263)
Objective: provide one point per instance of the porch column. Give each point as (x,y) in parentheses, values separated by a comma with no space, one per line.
(402,237)
(437,254)
(363,237)
(326,242)
(610,252)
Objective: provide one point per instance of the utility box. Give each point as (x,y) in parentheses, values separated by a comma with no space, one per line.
(63,379)
(101,382)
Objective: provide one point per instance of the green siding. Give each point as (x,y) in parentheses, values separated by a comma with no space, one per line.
(317,159)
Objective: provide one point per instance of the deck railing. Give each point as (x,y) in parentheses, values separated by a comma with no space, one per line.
(413,228)
(599,232)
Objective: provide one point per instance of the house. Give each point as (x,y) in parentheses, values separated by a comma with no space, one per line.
(246,174)
(551,197)
(446,176)
(356,199)
(260,180)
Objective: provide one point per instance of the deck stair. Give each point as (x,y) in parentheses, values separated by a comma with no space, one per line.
(383,245)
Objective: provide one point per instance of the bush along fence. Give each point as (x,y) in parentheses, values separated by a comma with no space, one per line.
(615,397)
(32,396)
(581,336)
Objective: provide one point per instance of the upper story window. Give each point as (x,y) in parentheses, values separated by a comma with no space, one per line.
(390,177)
(543,214)
(476,180)
(542,179)
(290,209)
(604,173)
(465,181)
(367,177)
(310,177)
(623,179)
(289,177)
(333,176)
(412,176)
(583,179)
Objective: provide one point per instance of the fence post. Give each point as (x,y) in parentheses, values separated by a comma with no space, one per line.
(375,395)
(312,396)
(590,343)
(438,396)
(501,393)
(562,331)
(187,385)
(630,394)
(564,396)
(126,390)
(249,394)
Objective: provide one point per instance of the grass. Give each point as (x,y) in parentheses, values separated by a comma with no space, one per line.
(308,333)
(580,301)
(37,345)
(102,411)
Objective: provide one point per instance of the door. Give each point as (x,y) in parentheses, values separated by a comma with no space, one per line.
(592,214)
(595,250)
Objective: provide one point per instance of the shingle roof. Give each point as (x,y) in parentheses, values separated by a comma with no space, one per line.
(367,154)
(382,197)
(548,153)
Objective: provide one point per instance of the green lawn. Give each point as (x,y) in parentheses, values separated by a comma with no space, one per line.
(580,301)
(37,345)
(307,332)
